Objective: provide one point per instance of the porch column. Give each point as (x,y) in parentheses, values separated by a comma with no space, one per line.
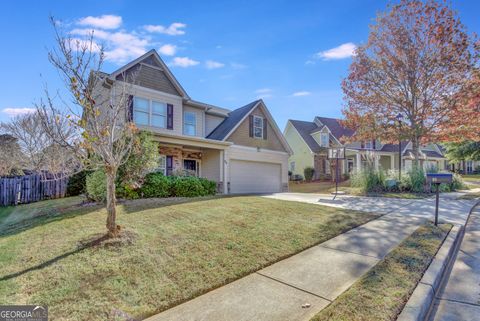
(392,162)
(376,159)
(359,161)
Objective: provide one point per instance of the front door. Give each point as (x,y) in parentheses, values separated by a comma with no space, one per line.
(191,165)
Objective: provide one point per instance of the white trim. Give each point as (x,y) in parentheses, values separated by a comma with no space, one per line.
(259,150)
(272,123)
(153,91)
(153,52)
(194,123)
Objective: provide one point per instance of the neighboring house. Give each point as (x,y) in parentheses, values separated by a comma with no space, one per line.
(310,142)
(242,150)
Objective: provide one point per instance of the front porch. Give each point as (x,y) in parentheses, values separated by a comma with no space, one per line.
(192,156)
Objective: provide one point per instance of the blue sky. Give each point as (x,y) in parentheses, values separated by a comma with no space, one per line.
(226,53)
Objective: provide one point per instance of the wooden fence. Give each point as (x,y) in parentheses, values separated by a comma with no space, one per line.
(30,188)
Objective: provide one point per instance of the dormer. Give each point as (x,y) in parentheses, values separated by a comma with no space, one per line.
(322,136)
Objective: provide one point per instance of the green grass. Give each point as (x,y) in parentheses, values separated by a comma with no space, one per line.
(171,251)
(471,178)
(383,291)
(470,196)
(12,215)
(324,187)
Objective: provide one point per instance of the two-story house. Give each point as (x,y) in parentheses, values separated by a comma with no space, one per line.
(243,150)
(310,142)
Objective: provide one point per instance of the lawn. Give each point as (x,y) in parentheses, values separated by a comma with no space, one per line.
(327,187)
(172,251)
(383,291)
(475,178)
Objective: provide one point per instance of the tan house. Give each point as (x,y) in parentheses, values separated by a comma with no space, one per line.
(310,142)
(243,150)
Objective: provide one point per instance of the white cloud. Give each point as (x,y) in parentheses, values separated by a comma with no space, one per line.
(236,65)
(184,62)
(120,46)
(211,64)
(301,93)
(175,29)
(345,50)
(18,111)
(167,50)
(103,22)
(264,93)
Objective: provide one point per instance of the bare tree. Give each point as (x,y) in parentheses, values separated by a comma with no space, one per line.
(10,155)
(98,111)
(39,152)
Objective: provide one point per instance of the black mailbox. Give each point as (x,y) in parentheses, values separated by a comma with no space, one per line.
(438,178)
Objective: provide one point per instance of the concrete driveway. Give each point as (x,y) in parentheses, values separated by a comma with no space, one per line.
(450,209)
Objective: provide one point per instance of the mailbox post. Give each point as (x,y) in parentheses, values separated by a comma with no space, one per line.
(336,154)
(437,179)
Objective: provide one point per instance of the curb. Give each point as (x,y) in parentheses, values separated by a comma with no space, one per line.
(418,305)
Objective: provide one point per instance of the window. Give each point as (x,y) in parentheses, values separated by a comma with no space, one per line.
(324,140)
(149,112)
(469,166)
(141,111)
(257,127)
(192,167)
(292,166)
(368,144)
(189,123)
(162,164)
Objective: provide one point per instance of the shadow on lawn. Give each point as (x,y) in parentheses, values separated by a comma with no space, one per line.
(92,241)
(50,217)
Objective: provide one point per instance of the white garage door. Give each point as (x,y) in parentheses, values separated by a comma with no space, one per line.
(254,177)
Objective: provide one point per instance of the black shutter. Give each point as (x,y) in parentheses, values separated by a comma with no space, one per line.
(130,108)
(169,165)
(362,145)
(169,116)
(264,128)
(374,144)
(250,125)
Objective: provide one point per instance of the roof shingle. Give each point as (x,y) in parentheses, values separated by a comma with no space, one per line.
(222,130)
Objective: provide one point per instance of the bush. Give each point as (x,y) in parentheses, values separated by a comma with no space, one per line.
(413,180)
(127,191)
(308,172)
(210,187)
(96,186)
(369,180)
(156,185)
(77,183)
(187,187)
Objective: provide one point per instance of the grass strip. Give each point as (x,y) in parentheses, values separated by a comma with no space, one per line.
(383,291)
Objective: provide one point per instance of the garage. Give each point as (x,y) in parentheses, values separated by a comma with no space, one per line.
(254,177)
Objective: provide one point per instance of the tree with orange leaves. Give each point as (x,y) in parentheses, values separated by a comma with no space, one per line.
(418,63)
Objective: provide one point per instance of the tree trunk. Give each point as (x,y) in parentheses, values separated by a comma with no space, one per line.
(113,228)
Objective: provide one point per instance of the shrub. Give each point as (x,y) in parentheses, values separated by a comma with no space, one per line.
(96,186)
(77,183)
(369,180)
(127,191)
(187,187)
(413,180)
(308,172)
(156,185)
(456,184)
(210,187)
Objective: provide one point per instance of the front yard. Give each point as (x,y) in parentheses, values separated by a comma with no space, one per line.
(172,251)
(327,187)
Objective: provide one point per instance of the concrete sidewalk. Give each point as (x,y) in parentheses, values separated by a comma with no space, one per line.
(315,276)
(451,209)
(460,298)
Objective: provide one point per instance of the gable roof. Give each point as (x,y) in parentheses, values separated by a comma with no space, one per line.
(237,116)
(335,127)
(153,54)
(233,118)
(304,128)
